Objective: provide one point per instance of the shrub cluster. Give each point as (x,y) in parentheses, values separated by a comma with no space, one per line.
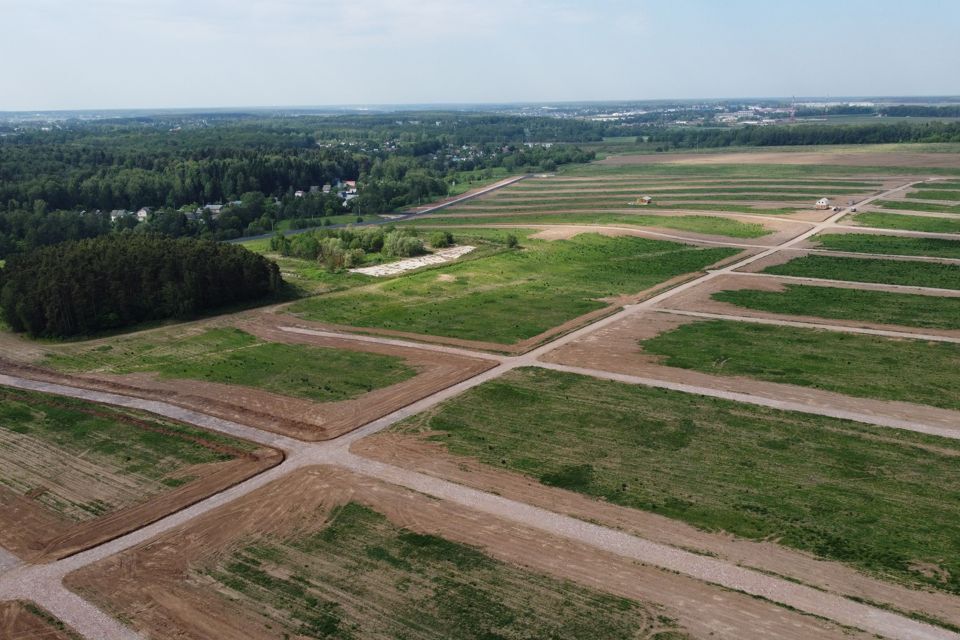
(347,248)
(81,287)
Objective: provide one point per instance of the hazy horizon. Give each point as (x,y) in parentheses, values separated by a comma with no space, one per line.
(174,54)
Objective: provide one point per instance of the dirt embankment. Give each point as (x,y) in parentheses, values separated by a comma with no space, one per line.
(36,533)
(149,585)
(20,621)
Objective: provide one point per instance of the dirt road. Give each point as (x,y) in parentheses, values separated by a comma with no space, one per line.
(43,583)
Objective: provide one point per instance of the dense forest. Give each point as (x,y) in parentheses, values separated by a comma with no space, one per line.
(59,183)
(84,286)
(770,136)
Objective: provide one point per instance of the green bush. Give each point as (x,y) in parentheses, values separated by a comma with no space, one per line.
(441,239)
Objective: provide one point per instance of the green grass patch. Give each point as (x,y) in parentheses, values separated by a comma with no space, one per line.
(363,577)
(515,294)
(890,245)
(931,194)
(907,205)
(856,365)
(875,270)
(881,307)
(906,222)
(878,499)
(935,186)
(711,225)
(231,356)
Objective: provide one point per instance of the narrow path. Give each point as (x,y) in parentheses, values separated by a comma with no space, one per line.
(825,326)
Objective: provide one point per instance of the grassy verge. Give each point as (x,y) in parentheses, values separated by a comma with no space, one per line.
(363,577)
(711,225)
(515,294)
(231,356)
(889,245)
(851,304)
(884,501)
(902,272)
(907,223)
(856,365)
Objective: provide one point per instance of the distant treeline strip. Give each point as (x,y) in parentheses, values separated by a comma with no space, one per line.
(773,136)
(82,287)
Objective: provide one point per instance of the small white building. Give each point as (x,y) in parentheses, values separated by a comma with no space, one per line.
(116,214)
(299,193)
(143,213)
(823,203)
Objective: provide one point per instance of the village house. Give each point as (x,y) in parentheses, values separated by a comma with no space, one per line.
(143,213)
(823,203)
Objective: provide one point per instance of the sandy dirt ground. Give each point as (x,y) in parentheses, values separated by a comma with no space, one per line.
(616,348)
(414,451)
(19,623)
(698,299)
(148,584)
(864,158)
(295,417)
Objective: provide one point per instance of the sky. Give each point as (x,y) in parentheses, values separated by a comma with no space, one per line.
(89,54)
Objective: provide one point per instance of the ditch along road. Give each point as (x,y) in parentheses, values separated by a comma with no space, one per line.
(43,584)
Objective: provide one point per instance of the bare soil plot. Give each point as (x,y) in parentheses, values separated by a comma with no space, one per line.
(700,299)
(175,586)
(864,158)
(74,474)
(296,417)
(616,348)
(27,621)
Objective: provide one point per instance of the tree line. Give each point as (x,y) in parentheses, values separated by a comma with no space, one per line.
(807,134)
(84,286)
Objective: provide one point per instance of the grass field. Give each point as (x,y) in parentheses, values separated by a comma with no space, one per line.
(363,577)
(857,365)
(625,204)
(514,295)
(851,304)
(937,186)
(933,194)
(907,205)
(907,222)
(889,245)
(884,501)
(902,272)
(231,356)
(89,459)
(711,225)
